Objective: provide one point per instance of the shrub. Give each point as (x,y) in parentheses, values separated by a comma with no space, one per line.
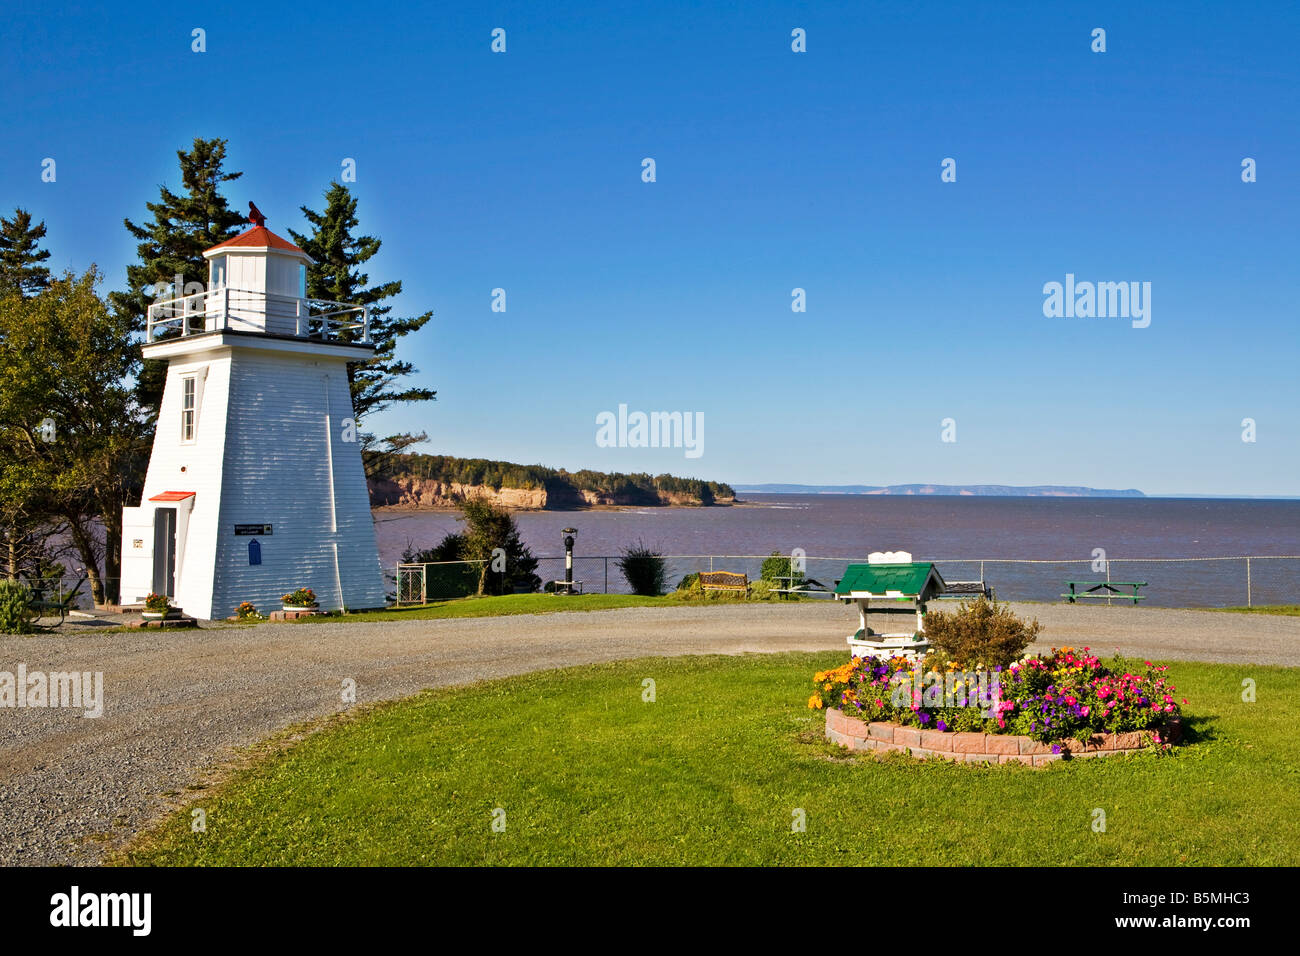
(981,632)
(690,589)
(644,569)
(762,590)
(450,548)
(778,566)
(14,598)
(441,579)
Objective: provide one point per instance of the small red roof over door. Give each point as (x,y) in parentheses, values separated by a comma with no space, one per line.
(173,496)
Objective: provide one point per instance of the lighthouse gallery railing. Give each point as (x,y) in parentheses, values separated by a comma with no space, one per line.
(225,309)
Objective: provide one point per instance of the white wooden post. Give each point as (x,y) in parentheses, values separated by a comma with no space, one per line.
(225,307)
(1248,582)
(365,324)
(298,317)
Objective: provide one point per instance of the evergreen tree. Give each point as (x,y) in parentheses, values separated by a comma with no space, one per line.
(20,256)
(337,277)
(184,225)
(488,527)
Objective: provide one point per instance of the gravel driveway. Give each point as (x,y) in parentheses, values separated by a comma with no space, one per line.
(177,702)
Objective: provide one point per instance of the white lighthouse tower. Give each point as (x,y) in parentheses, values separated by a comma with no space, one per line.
(255,485)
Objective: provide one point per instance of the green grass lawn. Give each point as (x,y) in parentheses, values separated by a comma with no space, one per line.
(521,604)
(713,771)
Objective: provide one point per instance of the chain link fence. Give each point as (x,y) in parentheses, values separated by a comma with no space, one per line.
(1168,582)
(1235,581)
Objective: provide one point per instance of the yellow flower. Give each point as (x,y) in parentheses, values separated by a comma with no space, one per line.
(815,702)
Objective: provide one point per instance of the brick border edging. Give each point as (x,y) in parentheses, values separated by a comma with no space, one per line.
(283,615)
(978,747)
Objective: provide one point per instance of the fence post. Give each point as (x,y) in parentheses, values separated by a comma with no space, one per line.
(606,589)
(1248,582)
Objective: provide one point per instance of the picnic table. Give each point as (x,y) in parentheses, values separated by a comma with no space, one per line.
(567,587)
(1104,589)
(798,584)
(38,607)
(968,589)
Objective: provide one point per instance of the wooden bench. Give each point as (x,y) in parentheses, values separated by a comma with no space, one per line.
(1104,589)
(724,581)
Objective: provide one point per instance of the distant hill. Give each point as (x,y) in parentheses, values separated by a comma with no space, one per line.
(990,491)
(440,481)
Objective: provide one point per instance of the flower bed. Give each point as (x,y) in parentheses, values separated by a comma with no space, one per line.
(1050,700)
(984,748)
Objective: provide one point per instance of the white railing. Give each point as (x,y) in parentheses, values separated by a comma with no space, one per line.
(226,309)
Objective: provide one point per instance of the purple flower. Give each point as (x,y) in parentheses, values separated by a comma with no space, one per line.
(1056,748)
(941,725)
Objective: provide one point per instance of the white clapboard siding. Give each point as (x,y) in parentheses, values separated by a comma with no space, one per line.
(271,447)
(286,426)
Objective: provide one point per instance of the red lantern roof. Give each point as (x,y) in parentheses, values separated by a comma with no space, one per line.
(173,496)
(259,237)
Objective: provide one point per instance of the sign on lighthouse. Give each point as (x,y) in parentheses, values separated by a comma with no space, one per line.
(255,486)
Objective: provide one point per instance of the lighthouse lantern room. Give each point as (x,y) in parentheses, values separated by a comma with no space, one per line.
(255,485)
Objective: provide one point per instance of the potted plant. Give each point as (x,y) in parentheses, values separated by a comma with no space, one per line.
(303,599)
(156,607)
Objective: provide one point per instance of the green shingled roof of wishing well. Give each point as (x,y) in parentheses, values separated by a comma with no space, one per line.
(907,579)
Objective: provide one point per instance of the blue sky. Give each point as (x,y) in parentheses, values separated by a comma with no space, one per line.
(775,170)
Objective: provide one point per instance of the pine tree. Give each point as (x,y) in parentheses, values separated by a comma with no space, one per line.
(336,277)
(183,226)
(20,256)
(487,528)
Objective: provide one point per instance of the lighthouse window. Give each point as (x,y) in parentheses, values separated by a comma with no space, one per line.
(218,272)
(302,281)
(187,408)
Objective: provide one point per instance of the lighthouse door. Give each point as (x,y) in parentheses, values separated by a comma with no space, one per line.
(164,551)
